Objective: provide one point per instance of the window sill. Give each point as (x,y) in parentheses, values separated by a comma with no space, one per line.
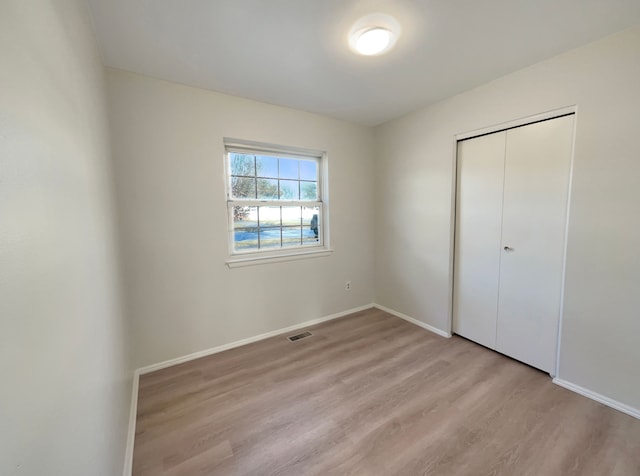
(242,261)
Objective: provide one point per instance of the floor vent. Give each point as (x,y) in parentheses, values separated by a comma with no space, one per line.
(299,336)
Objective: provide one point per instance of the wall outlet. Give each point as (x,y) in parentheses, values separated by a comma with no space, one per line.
(347,286)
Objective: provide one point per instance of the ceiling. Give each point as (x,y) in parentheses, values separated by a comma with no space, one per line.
(295,53)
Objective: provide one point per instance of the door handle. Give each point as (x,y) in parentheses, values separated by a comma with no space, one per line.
(508,248)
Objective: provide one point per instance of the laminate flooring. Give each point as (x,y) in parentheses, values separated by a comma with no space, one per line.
(371,394)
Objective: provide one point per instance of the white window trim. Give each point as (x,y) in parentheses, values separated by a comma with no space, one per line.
(241,259)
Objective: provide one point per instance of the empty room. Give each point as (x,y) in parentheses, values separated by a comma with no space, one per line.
(319,237)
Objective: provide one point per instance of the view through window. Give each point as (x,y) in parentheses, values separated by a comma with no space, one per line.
(274,201)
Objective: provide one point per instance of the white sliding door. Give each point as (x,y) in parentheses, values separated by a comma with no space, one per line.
(478,231)
(510,232)
(533,225)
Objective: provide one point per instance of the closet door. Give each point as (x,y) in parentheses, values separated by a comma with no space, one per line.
(536,181)
(478,231)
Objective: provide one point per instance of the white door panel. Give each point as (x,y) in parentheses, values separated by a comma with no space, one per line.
(478,224)
(536,177)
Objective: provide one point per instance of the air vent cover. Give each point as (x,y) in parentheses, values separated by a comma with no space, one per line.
(299,336)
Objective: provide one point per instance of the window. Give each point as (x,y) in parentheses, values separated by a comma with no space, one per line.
(274,199)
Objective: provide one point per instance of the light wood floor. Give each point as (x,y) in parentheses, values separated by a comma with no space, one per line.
(371,394)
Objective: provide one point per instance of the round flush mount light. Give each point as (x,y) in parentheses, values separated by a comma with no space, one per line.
(373,41)
(374,35)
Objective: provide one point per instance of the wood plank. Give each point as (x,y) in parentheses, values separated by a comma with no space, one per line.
(370,394)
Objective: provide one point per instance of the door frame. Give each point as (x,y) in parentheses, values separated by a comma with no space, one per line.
(523,121)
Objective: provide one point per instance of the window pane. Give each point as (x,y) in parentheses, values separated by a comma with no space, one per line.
(269,216)
(242,187)
(309,170)
(267,189)
(291,216)
(270,237)
(288,168)
(245,228)
(245,217)
(310,225)
(289,190)
(242,164)
(309,191)
(267,166)
(310,240)
(291,236)
(262,181)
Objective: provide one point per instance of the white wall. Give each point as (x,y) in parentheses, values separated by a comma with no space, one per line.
(169,170)
(64,370)
(414,177)
(64,364)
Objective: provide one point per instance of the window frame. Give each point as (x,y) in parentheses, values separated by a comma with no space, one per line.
(259,256)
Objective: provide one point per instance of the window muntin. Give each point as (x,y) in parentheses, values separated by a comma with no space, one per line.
(274,201)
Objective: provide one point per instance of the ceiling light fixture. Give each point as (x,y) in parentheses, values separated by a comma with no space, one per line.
(374,34)
(373,42)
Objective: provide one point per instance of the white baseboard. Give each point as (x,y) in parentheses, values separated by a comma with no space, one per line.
(131,434)
(634,412)
(418,323)
(248,340)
